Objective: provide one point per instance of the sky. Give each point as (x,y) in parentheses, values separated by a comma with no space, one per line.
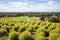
(29,5)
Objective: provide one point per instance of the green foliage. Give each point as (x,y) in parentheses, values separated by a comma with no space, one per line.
(35,26)
(52,27)
(40,38)
(53,19)
(54,36)
(41,29)
(27,28)
(13,36)
(15,28)
(11,24)
(40,34)
(22,28)
(53,31)
(5,27)
(42,18)
(2,32)
(30,29)
(25,36)
(58,38)
(57,30)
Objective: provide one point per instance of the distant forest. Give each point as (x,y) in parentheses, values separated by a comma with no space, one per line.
(37,14)
(43,16)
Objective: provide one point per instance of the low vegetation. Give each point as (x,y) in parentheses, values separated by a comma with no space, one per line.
(28,28)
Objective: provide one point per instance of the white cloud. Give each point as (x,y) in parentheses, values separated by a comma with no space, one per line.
(52,3)
(18,3)
(43,0)
(26,7)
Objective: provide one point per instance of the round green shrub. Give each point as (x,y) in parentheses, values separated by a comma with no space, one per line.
(57,30)
(54,36)
(53,31)
(57,24)
(11,24)
(42,18)
(13,36)
(40,38)
(41,29)
(35,26)
(15,28)
(2,32)
(22,28)
(5,27)
(58,38)
(53,19)
(52,27)
(40,34)
(30,29)
(25,36)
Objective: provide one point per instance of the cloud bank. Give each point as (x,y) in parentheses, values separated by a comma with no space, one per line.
(31,6)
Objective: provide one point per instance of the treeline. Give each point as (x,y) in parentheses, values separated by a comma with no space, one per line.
(44,16)
(37,14)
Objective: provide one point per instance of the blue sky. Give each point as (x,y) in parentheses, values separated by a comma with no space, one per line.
(29,5)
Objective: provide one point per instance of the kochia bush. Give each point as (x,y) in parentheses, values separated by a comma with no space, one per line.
(41,29)
(40,38)
(2,32)
(25,36)
(54,36)
(13,36)
(30,29)
(58,38)
(22,28)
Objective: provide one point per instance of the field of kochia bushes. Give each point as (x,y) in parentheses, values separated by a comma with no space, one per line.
(28,28)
